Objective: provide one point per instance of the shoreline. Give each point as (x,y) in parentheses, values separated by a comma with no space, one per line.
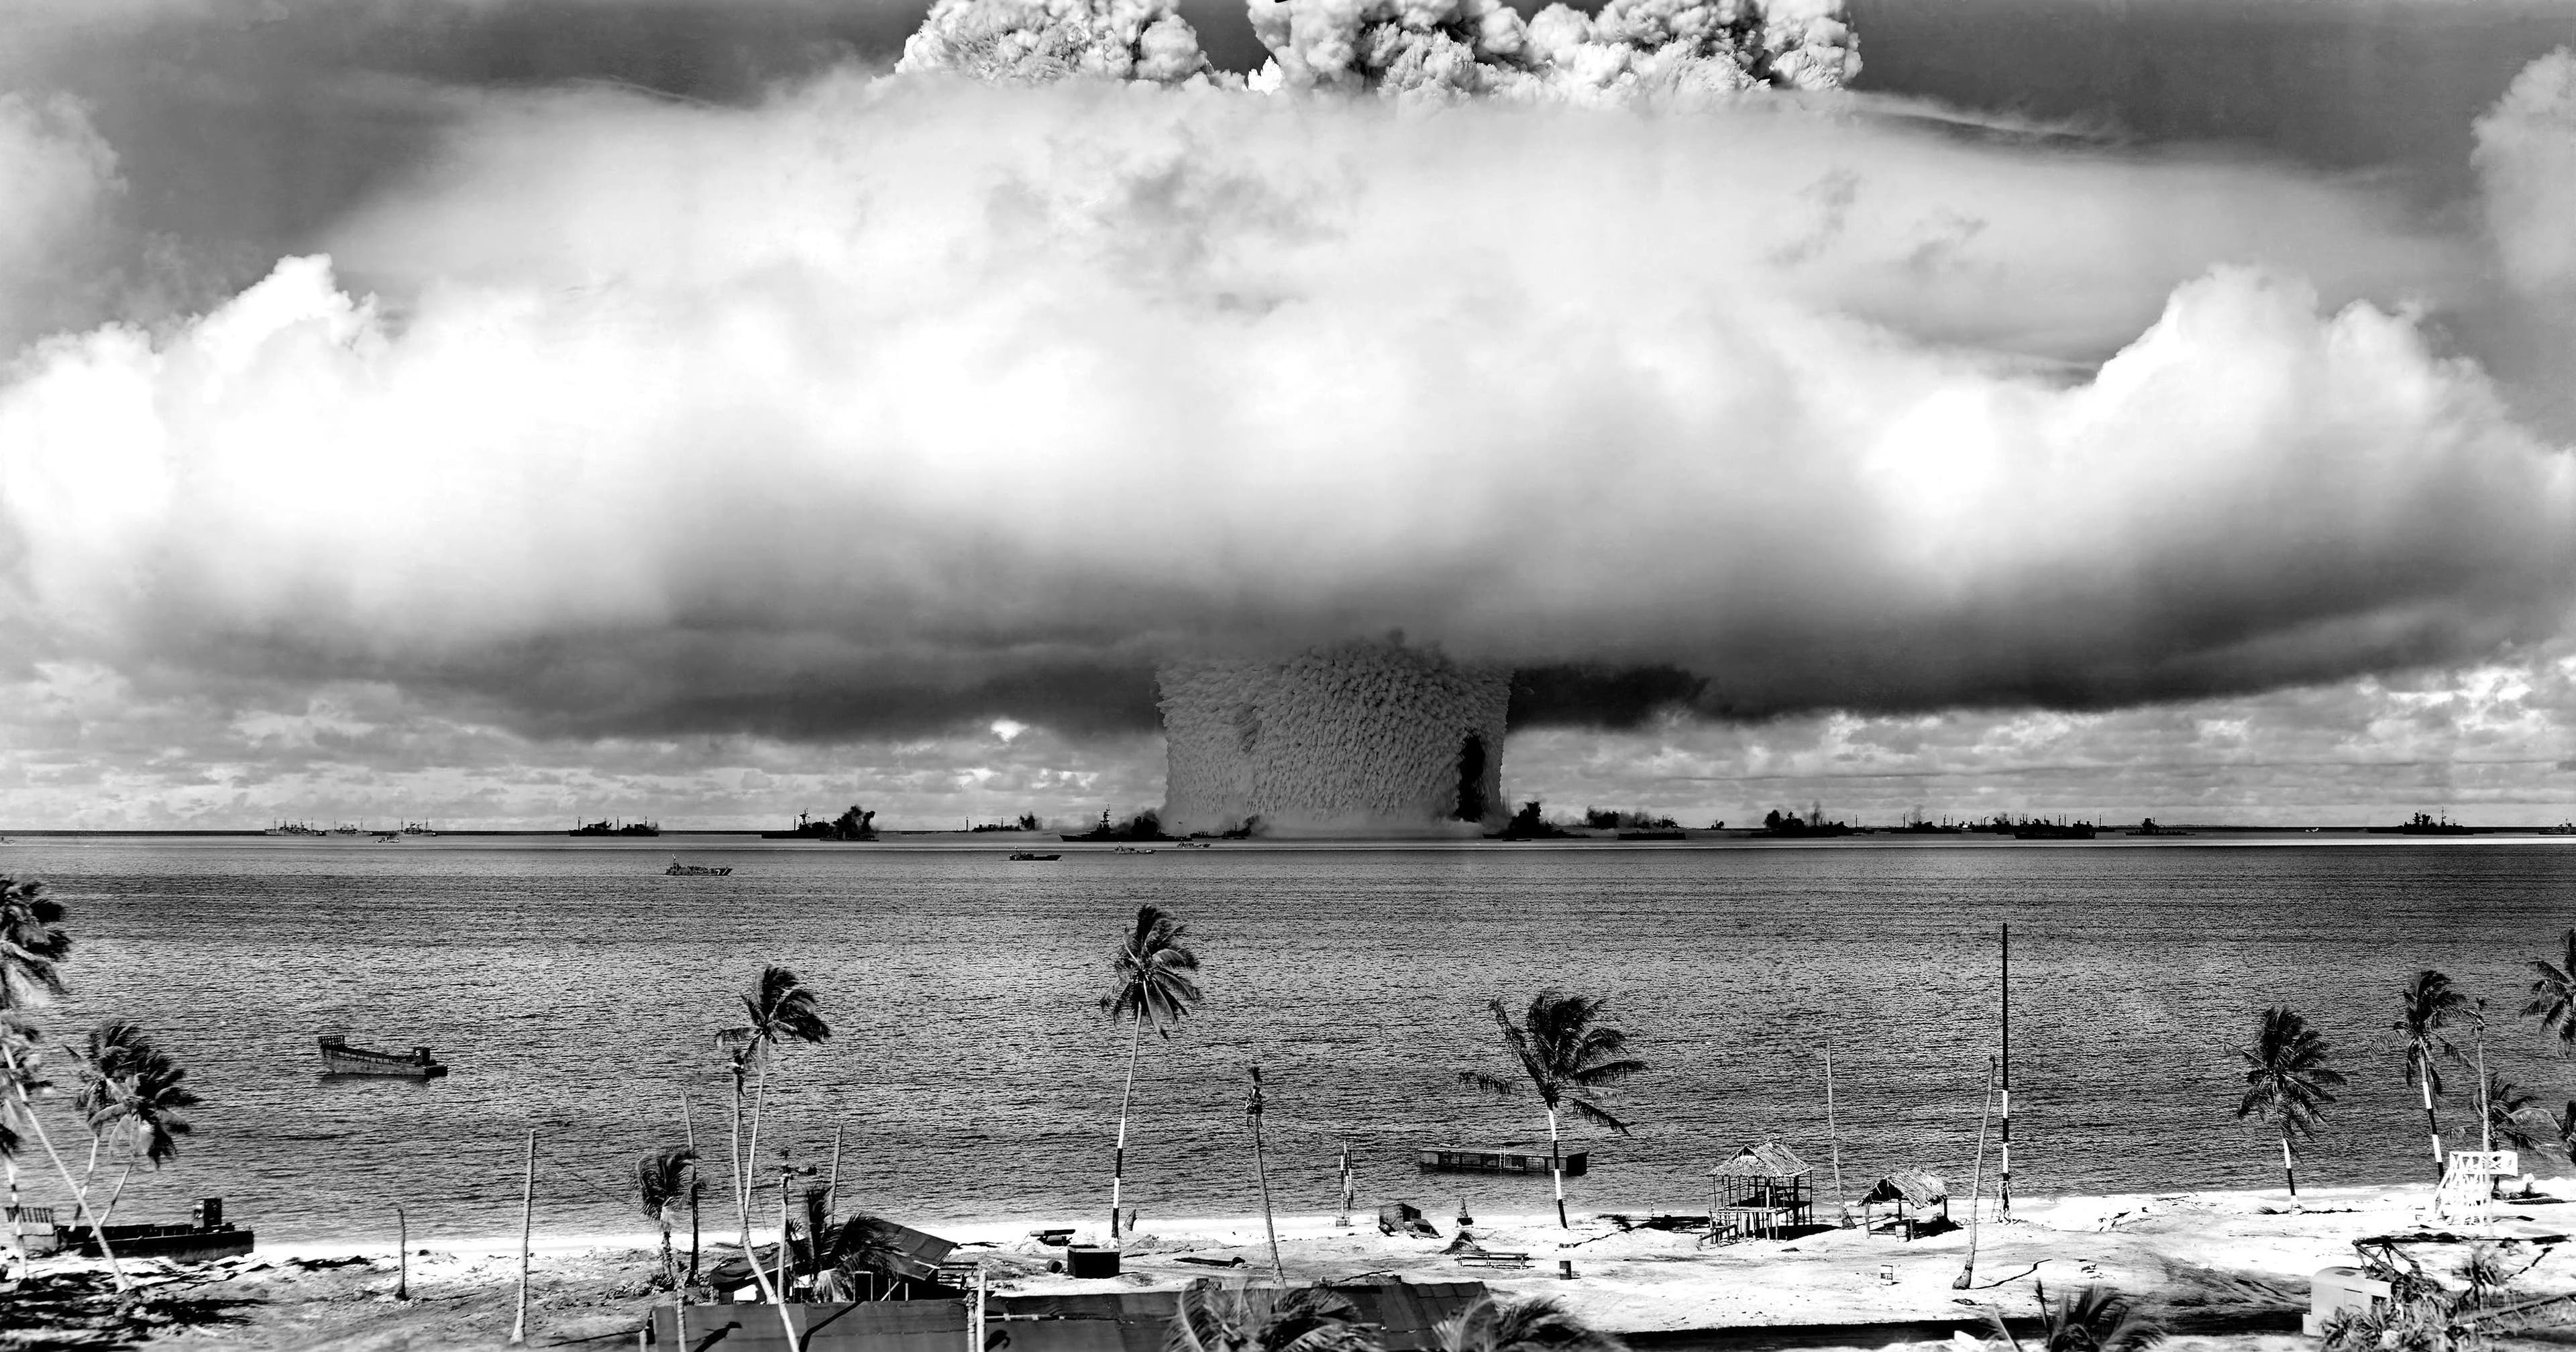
(2228,1266)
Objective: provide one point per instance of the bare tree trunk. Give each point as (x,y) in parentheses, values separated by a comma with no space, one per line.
(527,1233)
(80,1200)
(1556,1167)
(750,1153)
(1118,1166)
(17,1221)
(117,1193)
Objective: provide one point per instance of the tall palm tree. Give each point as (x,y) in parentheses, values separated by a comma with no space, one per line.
(2553,994)
(1537,1324)
(1156,983)
(2288,1081)
(131,1097)
(21,1079)
(1567,1055)
(2098,1319)
(663,1180)
(778,1011)
(2425,1006)
(32,944)
(1213,1316)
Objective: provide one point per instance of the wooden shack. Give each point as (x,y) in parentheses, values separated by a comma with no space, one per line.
(1912,1196)
(1763,1191)
(1487,1159)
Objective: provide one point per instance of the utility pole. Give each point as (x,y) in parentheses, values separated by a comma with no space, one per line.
(1261,1168)
(1833,1133)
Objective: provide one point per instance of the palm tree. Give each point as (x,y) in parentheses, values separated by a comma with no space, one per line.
(21,1077)
(1565,1054)
(2510,1110)
(779,1011)
(1157,983)
(1537,1324)
(858,1251)
(663,1178)
(32,944)
(1213,1316)
(2425,1007)
(131,1096)
(2287,1081)
(2553,994)
(2099,1319)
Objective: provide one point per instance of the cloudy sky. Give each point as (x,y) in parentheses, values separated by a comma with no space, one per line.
(493,411)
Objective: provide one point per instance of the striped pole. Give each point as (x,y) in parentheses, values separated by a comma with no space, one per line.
(2004,1193)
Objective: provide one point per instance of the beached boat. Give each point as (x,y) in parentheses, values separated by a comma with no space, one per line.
(339,1058)
(1469,1159)
(680,870)
(1029,857)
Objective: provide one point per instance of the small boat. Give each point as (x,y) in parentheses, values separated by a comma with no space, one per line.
(1130,849)
(1028,857)
(680,870)
(388,835)
(1191,845)
(339,1058)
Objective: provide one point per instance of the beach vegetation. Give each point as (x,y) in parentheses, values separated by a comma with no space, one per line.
(2426,1006)
(2515,1119)
(2288,1082)
(33,944)
(2096,1319)
(664,1179)
(854,1257)
(1215,1316)
(1154,982)
(1536,1324)
(130,1098)
(1567,1054)
(778,1011)
(2553,994)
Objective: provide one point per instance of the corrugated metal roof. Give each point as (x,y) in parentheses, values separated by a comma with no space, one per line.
(1770,1159)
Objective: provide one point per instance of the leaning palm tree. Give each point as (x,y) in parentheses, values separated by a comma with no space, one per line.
(2553,994)
(2287,1081)
(2426,1006)
(131,1098)
(22,1057)
(1566,1054)
(2515,1119)
(778,1011)
(1212,1316)
(1157,984)
(32,944)
(1537,1324)
(2099,1319)
(662,1181)
(22,1076)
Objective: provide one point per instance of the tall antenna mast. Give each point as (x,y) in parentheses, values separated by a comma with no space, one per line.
(2004,1191)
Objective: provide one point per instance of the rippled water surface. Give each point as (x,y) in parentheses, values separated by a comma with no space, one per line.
(575,989)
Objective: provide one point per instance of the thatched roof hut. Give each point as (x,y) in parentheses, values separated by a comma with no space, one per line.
(1916,1188)
(1761,1189)
(1770,1159)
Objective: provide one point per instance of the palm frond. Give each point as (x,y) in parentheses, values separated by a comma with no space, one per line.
(1595,1114)
(1495,1085)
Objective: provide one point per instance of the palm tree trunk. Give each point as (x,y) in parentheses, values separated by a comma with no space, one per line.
(17,1222)
(670,1263)
(733,1153)
(80,1199)
(1556,1168)
(1118,1165)
(119,1192)
(750,1152)
(2432,1129)
(693,1231)
(2289,1169)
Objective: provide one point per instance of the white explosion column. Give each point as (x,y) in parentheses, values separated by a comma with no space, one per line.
(1363,738)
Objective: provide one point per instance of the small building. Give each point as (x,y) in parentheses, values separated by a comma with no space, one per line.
(1764,1190)
(1912,1196)
(1486,1159)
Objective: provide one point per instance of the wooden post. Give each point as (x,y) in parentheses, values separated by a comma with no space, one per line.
(527,1222)
(1842,1213)
(975,1324)
(402,1255)
(832,1183)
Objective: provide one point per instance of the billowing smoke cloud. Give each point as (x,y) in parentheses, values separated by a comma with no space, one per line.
(1666,50)
(1041,40)
(891,402)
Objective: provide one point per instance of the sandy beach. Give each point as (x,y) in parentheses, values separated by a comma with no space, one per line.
(2234,1265)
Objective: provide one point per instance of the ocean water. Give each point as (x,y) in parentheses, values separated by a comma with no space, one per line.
(575,989)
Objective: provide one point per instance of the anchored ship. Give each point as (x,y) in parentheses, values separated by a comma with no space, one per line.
(339,1058)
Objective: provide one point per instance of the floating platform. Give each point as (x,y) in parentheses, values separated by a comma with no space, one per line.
(1472,1159)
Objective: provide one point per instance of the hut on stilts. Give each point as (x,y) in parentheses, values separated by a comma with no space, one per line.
(1763,1191)
(1913,1196)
